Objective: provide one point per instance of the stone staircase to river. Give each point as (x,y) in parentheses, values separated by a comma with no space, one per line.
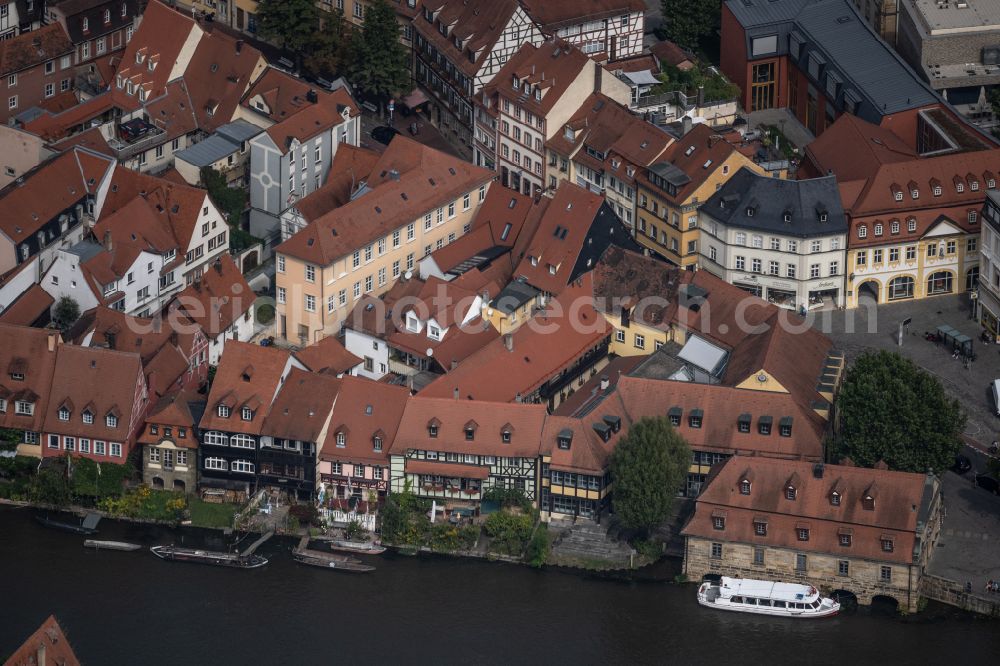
(585,544)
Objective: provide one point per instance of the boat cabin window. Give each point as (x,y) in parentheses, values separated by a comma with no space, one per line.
(763,602)
(737,600)
(800,606)
(778,604)
(815,605)
(750,601)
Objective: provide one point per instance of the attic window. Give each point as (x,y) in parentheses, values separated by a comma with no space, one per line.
(868,502)
(341,440)
(835,498)
(750,210)
(689,151)
(790,492)
(694,420)
(674,414)
(745,487)
(959,186)
(915,193)
(785,426)
(974,185)
(823,216)
(224,411)
(743,423)
(887,544)
(787,216)
(564,439)
(707,164)
(505,436)
(898,195)
(470,432)
(432,430)
(937,190)
(764,425)
(63,414)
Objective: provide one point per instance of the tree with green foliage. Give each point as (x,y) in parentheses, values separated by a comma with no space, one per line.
(648,467)
(291,24)
(50,486)
(379,65)
(687,21)
(231,201)
(330,50)
(66,312)
(891,410)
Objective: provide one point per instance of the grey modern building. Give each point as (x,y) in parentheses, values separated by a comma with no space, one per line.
(292,158)
(227,151)
(782,240)
(955,45)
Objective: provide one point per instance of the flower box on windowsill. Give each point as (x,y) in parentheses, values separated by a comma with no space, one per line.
(471,491)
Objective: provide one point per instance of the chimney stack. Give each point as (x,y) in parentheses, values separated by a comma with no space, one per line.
(686,125)
(605,382)
(52,341)
(455,393)
(109,244)
(508,342)
(454,364)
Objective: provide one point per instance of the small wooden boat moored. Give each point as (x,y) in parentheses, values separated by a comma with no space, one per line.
(234,560)
(111,545)
(765,597)
(314,559)
(359,547)
(87,526)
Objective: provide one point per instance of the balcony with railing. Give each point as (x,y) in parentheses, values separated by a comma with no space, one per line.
(136,136)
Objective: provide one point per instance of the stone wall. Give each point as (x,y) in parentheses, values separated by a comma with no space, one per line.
(953,593)
(864,579)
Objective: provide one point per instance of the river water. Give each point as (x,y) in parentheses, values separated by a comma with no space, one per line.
(132,608)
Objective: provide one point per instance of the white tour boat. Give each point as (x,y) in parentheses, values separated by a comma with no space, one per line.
(746,595)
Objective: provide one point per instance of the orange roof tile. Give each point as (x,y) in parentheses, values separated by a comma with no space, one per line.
(328,355)
(49,637)
(364,410)
(216,301)
(302,406)
(248,375)
(32,49)
(27,308)
(30,352)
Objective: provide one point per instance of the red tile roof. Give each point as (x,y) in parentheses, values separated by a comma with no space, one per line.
(171,410)
(897,503)
(30,49)
(561,334)
(554,14)
(48,190)
(408,180)
(328,355)
(248,376)
(669,53)
(302,407)
(107,327)
(160,39)
(30,352)
(284,94)
(481,22)
(452,417)
(55,127)
(28,307)
(552,67)
(350,166)
(591,392)
(218,75)
(331,110)
(691,153)
(91,139)
(216,301)
(434,468)
(50,638)
(364,409)
(722,407)
(78,371)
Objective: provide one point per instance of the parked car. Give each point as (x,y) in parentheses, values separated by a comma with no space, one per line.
(962,464)
(384,134)
(988,483)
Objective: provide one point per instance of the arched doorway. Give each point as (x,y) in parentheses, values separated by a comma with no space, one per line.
(868,291)
(157,483)
(884,604)
(848,600)
(901,287)
(250,261)
(972,278)
(180,486)
(941,282)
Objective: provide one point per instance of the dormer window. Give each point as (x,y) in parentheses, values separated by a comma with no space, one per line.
(915,193)
(937,190)
(88,417)
(785,426)
(517,83)
(868,502)
(432,430)
(154,429)
(974,185)
(63,414)
(764,425)
(745,487)
(138,57)
(790,492)
(377,444)
(823,216)
(894,227)
(959,186)
(887,544)
(835,498)
(564,439)
(718,521)
(878,228)
(470,432)
(86,24)
(750,211)
(743,423)
(224,411)
(787,216)
(863,229)
(694,420)
(107,16)
(111,421)
(247,414)
(674,414)
(898,195)
(17,376)
(505,436)
(341,440)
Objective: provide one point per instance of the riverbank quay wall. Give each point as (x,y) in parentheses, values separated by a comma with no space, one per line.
(953,593)
(864,578)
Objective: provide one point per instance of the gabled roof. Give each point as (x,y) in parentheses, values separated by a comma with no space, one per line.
(217,76)
(331,110)
(647,287)
(328,355)
(30,49)
(219,298)
(554,14)
(363,409)
(283,94)
(350,166)
(76,11)
(49,189)
(479,22)
(173,409)
(50,638)
(28,307)
(538,353)
(106,327)
(898,512)
(552,67)
(689,162)
(524,422)
(78,370)
(32,353)
(161,39)
(300,410)
(408,180)
(247,375)
(138,223)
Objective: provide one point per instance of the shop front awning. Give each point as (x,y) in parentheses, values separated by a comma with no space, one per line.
(454,470)
(415,98)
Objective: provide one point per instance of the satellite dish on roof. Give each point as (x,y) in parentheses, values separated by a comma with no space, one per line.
(430,352)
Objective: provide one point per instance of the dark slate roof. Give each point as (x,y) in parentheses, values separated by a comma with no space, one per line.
(670,173)
(771,198)
(86,250)
(834,30)
(225,141)
(513,296)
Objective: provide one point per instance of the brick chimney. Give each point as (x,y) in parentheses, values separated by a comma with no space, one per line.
(52,340)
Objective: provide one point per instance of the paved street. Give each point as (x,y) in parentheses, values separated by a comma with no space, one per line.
(968,549)
(853,331)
